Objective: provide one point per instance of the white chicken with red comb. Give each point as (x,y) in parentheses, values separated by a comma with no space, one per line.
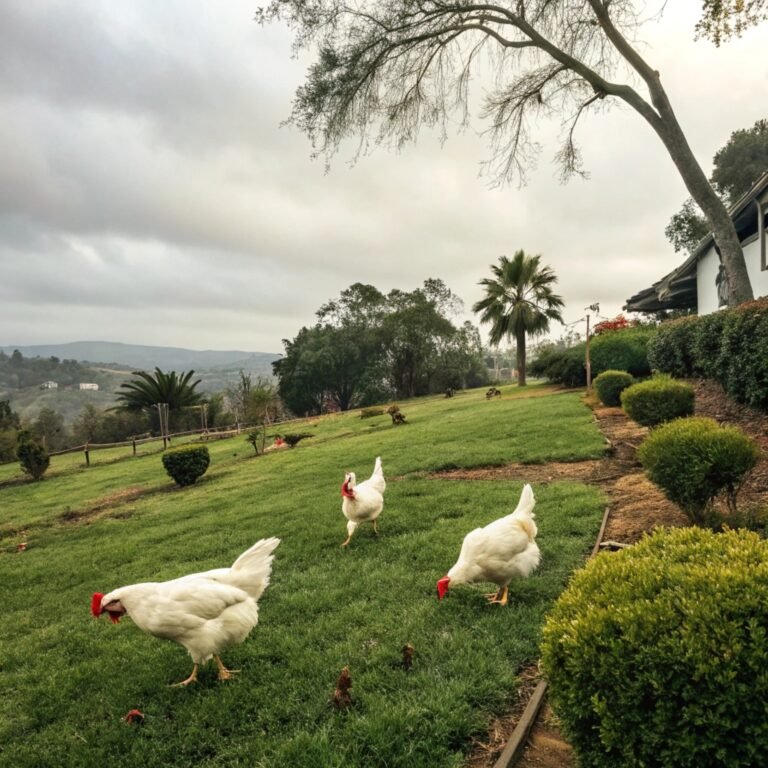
(205,612)
(501,551)
(363,503)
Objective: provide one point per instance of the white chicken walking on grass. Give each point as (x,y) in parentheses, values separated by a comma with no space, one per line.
(205,612)
(499,552)
(363,503)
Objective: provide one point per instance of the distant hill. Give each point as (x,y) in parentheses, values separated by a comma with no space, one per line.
(138,357)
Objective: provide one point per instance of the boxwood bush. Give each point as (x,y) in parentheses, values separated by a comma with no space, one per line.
(610,384)
(186,464)
(693,460)
(658,400)
(656,655)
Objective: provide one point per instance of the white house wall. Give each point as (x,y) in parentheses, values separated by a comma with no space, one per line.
(706,274)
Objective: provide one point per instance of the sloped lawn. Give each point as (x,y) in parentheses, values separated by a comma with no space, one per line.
(66,680)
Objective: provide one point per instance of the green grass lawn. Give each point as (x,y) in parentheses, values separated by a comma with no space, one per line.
(66,680)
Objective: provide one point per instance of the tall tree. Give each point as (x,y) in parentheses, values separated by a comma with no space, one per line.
(723,19)
(146,391)
(736,167)
(519,302)
(386,67)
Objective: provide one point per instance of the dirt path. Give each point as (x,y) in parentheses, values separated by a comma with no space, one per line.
(636,506)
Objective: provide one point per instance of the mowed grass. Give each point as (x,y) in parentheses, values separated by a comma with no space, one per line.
(67,680)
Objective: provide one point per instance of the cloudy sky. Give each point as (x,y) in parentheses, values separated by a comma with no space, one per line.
(149,195)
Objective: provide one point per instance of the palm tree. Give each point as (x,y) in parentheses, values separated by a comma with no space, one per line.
(144,393)
(519,302)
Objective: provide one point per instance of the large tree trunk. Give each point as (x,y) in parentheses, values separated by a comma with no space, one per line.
(520,339)
(663,120)
(723,230)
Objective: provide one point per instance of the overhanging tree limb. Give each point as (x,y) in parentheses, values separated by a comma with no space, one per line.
(387,67)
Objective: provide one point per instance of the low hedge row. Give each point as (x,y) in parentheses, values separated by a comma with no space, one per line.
(730,346)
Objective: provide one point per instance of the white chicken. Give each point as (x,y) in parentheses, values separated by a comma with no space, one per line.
(363,503)
(205,612)
(499,552)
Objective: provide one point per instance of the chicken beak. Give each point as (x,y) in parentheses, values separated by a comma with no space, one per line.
(442,587)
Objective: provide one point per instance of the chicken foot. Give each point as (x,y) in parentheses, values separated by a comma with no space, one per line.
(224,673)
(191,679)
(500,598)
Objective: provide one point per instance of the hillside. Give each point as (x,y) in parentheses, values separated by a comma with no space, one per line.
(140,357)
(109,365)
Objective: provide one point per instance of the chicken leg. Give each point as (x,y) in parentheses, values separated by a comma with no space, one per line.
(191,679)
(500,598)
(224,673)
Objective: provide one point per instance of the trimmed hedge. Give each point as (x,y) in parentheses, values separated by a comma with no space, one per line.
(671,348)
(610,384)
(730,346)
(656,655)
(693,460)
(186,464)
(658,400)
(623,350)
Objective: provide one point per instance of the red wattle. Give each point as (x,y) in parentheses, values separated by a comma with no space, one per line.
(96,604)
(442,587)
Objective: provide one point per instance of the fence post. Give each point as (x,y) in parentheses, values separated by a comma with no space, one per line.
(134,446)
(87,455)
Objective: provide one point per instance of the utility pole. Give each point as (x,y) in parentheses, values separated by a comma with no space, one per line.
(594,308)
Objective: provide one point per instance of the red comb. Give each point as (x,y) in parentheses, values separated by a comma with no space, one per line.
(442,587)
(96,604)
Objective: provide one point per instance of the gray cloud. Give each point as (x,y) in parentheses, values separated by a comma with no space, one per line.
(148,193)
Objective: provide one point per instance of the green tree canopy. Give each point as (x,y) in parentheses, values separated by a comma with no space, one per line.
(367,347)
(723,19)
(737,165)
(519,302)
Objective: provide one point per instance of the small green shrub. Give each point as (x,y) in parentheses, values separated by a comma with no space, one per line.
(693,460)
(32,455)
(655,655)
(368,413)
(610,384)
(186,464)
(657,400)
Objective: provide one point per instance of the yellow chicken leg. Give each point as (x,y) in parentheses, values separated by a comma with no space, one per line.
(224,673)
(191,679)
(501,597)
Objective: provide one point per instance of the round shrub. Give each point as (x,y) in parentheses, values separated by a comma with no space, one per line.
(187,463)
(32,455)
(560,365)
(610,384)
(656,654)
(657,400)
(693,460)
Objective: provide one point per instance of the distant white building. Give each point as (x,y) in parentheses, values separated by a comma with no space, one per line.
(89,386)
(49,385)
